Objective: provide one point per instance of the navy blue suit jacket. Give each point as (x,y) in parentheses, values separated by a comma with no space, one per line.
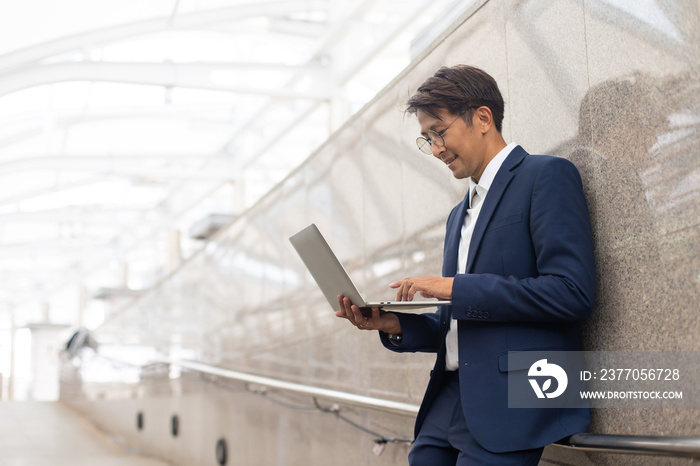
(530,278)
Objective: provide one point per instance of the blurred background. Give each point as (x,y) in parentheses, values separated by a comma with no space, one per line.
(131,131)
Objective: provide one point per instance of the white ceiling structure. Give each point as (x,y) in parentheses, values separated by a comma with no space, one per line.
(122,123)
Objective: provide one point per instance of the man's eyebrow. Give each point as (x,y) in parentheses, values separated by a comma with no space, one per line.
(437,124)
(432,128)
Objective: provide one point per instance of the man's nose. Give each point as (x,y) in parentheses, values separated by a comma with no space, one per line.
(437,150)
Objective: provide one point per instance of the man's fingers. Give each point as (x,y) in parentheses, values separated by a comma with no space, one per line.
(406,291)
(342,310)
(402,292)
(354,314)
(345,310)
(412,292)
(370,319)
(408,295)
(349,311)
(358,318)
(428,287)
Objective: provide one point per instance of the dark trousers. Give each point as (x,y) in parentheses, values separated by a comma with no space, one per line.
(444,438)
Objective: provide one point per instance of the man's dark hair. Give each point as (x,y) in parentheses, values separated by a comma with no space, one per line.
(456,89)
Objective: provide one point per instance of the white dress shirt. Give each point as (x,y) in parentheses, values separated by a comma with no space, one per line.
(480,191)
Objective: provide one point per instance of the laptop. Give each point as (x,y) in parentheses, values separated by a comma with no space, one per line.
(331,277)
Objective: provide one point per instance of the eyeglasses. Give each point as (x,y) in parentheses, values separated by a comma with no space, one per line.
(425,145)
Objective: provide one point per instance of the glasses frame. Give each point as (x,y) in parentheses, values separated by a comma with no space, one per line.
(423,142)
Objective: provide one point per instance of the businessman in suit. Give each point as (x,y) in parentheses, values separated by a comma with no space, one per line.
(518,266)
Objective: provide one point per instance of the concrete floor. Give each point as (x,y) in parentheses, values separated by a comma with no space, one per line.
(52,434)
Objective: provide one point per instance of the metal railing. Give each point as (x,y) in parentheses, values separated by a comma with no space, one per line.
(357,400)
(688,447)
(625,444)
(634,444)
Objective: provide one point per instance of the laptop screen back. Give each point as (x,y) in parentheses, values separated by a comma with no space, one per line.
(324,266)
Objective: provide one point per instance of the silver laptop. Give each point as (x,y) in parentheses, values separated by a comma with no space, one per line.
(331,277)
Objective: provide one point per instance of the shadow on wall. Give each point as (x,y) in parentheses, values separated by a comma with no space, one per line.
(638,151)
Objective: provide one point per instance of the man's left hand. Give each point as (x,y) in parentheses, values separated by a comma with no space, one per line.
(428,287)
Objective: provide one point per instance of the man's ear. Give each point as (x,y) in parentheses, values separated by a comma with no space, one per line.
(484,119)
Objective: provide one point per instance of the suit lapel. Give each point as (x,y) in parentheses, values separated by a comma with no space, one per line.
(454,234)
(500,182)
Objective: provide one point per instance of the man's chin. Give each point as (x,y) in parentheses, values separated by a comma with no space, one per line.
(459,174)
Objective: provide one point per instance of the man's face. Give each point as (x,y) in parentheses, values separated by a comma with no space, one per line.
(463,152)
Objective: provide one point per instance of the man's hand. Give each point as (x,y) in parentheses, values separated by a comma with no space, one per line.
(379,320)
(428,287)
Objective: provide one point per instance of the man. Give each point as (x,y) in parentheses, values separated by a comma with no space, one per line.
(518,267)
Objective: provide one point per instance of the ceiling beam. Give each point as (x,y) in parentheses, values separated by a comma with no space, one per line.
(34,121)
(188,75)
(113,167)
(100,159)
(166,108)
(188,21)
(76,216)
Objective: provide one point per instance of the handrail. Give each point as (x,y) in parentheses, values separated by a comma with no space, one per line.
(629,444)
(360,400)
(606,443)
(634,444)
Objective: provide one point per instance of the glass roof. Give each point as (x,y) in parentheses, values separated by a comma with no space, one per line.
(123,124)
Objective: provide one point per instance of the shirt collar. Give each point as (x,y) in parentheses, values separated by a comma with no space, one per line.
(491,169)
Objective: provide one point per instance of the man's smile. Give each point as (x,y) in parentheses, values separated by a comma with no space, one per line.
(448,161)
